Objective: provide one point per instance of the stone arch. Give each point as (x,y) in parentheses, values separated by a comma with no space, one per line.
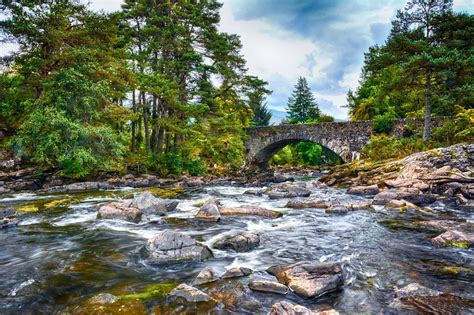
(263,155)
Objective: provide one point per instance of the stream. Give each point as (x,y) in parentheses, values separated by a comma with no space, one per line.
(56,259)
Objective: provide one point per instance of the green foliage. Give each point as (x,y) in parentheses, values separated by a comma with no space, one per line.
(383,147)
(384,123)
(302,107)
(325,118)
(305,153)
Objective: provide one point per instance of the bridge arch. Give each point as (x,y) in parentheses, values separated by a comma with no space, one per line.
(345,139)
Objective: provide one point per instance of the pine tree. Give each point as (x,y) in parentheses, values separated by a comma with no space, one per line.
(302,106)
(256,96)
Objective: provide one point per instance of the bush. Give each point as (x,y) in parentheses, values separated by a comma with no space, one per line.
(383,147)
(383,123)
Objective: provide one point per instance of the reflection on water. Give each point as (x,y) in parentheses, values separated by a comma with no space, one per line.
(59,257)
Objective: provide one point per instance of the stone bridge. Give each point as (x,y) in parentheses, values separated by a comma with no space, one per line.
(346,139)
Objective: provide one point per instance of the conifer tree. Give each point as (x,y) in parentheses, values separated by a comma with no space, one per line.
(302,106)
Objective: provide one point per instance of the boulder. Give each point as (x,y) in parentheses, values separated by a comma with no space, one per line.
(249,210)
(287,191)
(206,275)
(286,308)
(254,191)
(235,272)
(308,279)
(120,211)
(307,203)
(337,209)
(268,286)
(194,182)
(454,238)
(438,225)
(170,247)
(400,204)
(209,211)
(419,199)
(8,222)
(103,299)
(184,293)
(358,205)
(240,243)
(364,190)
(149,204)
(384,197)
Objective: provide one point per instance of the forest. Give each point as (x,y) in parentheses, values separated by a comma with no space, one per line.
(157,87)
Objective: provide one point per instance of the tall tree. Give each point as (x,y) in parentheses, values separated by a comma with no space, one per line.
(256,99)
(302,106)
(421,15)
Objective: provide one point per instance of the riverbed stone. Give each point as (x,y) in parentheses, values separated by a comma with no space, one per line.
(309,279)
(287,191)
(384,197)
(364,190)
(120,211)
(268,286)
(308,203)
(184,293)
(206,275)
(103,299)
(209,211)
(236,272)
(419,199)
(287,308)
(170,247)
(149,204)
(454,238)
(337,209)
(439,225)
(8,222)
(254,191)
(240,243)
(250,211)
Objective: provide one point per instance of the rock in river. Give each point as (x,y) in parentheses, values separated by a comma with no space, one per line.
(206,275)
(287,191)
(184,293)
(169,246)
(454,238)
(286,308)
(364,190)
(249,210)
(240,243)
(308,279)
(121,211)
(103,298)
(268,286)
(235,272)
(209,211)
(149,204)
(308,203)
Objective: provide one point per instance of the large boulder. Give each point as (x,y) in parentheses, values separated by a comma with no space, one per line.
(240,243)
(170,247)
(287,191)
(250,211)
(364,190)
(268,286)
(384,197)
(308,203)
(184,294)
(209,211)
(308,279)
(120,211)
(149,204)
(454,238)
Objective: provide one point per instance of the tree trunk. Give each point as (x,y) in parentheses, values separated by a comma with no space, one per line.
(145,123)
(134,123)
(427,131)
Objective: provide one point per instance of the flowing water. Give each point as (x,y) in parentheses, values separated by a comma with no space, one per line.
(57,259)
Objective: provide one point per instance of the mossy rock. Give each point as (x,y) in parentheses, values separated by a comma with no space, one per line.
(457,244)
(166,193)
(159,290)
(455,271)
(42,204)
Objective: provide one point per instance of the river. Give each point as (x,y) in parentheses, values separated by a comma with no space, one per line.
(56,259)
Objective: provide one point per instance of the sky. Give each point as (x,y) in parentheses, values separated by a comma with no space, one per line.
(322,40)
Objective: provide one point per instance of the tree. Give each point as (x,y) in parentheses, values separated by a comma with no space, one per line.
(256,96)
(302,107)
(421,15)
(70,68)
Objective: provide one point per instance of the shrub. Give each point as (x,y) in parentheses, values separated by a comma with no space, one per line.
(382,147)
(383,123)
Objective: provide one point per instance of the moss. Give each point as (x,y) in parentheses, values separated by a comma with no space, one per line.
(28,208)
(198,204)
(152,291)
(458,244)
(397,224)
(60,202)
(167,193)
(454,270)
(371,282)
